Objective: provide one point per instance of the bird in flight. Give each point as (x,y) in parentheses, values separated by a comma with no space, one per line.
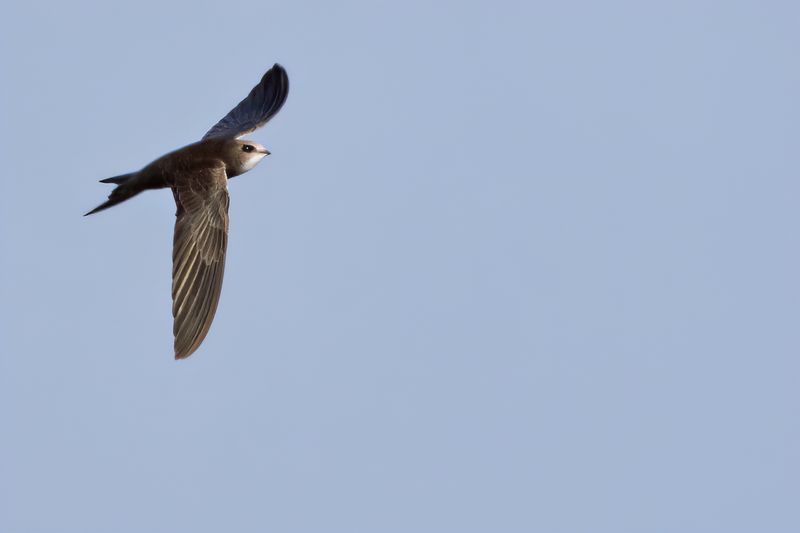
(198,175)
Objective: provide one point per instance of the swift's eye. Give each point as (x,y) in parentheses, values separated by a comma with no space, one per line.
(247,148)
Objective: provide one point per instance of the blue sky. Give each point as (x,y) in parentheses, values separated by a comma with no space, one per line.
(510,267)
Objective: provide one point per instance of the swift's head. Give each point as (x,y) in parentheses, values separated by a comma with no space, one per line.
(241,156)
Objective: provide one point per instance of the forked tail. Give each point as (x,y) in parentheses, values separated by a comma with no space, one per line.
(120,193)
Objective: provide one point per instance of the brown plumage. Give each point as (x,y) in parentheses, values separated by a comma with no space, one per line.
(198,175)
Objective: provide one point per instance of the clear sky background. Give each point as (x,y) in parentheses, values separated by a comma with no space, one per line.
(512,267)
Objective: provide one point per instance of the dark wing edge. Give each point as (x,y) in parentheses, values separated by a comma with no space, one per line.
(263,103)
(198,255)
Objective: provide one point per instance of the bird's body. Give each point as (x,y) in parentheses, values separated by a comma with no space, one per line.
(181,165)
(197,175)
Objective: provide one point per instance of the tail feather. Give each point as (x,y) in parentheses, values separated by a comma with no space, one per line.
(120,193)
(117,179)
(105,205)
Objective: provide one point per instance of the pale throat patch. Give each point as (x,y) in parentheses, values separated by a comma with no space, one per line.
(252,161)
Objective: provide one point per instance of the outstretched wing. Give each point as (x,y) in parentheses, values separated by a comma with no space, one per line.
(263,102)
(198,254)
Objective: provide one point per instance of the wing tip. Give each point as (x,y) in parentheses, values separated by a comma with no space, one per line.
(184,351)
(265,99)
(279,71)
(182,356)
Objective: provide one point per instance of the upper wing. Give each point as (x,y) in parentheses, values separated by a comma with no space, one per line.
(198,254)
(263,102)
